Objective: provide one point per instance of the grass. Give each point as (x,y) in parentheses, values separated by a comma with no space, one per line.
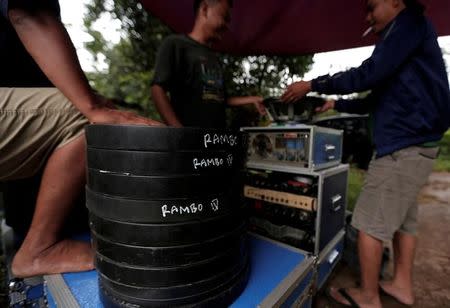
(355,181)
(443,162)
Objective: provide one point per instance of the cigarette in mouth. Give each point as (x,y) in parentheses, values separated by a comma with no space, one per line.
(367,31)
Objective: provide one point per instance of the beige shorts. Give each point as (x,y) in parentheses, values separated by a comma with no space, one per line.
(33,123)
(388,200)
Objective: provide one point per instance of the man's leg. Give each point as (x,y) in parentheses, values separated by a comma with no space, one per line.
(43,251)
(370,251)
(401,286)
(417,166)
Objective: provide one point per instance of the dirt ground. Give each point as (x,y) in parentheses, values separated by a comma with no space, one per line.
(432,262)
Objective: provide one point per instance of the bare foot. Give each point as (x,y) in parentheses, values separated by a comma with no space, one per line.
(403,295)
(63,256)
(360,299)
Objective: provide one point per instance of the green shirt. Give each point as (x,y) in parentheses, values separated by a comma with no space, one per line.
(192,74)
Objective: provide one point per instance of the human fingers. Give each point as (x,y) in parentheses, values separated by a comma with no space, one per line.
(103,101)
(132,118)
(261,108)
(326,106)
(288,95)
(114,116)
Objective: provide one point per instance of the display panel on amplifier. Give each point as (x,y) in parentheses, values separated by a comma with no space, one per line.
(303,146)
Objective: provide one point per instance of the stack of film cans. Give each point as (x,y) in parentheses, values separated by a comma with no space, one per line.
(166,215)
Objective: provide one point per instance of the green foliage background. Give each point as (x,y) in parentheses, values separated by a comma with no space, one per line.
(443,161)
(130,62)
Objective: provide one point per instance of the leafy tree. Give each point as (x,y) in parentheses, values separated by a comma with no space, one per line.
(263,75)
(130,62)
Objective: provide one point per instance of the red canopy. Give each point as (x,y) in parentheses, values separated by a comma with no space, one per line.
(290,26)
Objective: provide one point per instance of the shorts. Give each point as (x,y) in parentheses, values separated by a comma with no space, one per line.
(388,200)
(34,122)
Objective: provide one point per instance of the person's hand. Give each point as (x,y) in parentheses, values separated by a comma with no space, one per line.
(326,106)
(106,102)
(114,116)
(296,91)
(259,105)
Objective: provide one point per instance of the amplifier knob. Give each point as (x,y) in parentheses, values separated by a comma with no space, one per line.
(262,145)
(280,156)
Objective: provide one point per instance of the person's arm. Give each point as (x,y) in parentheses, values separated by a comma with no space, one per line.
(162,103)
(257,101)
(296,91)
(47,41)
(356,106)
(165,80)
(400,40)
